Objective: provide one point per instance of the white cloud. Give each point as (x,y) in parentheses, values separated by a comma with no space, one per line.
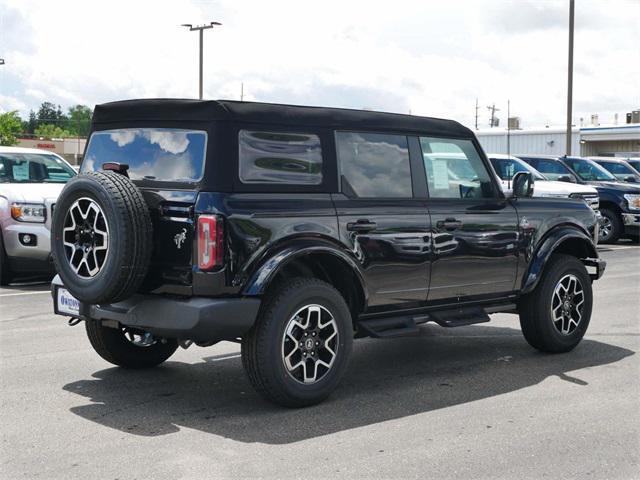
(123,137)
(431,57)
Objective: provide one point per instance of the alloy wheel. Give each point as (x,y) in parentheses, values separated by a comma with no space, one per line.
(85,236)
(567,304)
(606,228)
(310,344)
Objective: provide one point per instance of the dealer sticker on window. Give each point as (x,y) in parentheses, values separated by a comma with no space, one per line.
(67,303)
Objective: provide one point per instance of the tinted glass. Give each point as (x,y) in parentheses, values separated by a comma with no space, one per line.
(275,157)
(374,165)
(507,168)
(588,170)
(455,169)
(635,164)
(552,169)
(620,170)
(158,154)
(33,168)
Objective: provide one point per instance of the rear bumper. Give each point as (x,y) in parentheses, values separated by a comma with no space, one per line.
(199,319)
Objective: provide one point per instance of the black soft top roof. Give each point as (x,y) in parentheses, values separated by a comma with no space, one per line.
(169,109)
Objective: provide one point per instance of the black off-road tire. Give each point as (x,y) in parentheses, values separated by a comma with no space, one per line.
(262,345)
(5,271)
(112,345)
(130,237)
(536,318)
(617,227)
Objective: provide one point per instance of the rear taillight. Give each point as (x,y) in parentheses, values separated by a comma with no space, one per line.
(210,242)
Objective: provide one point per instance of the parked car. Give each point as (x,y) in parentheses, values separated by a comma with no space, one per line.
(619,201)
(30,181)
(619,168)
(295,229)
(506,166)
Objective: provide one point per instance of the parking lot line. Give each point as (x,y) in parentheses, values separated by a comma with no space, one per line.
(23,293)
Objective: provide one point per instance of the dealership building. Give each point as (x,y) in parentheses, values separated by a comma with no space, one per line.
(601,140)
(71,149)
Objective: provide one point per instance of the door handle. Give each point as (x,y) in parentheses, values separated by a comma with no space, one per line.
(449,224)
(362,225)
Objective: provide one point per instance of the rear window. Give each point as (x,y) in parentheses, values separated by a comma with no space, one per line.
(33,168)
(279,157)
(157,154)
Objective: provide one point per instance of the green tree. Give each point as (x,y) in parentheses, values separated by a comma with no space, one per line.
(52,131)
(10,127)
(79,120)
(50,113)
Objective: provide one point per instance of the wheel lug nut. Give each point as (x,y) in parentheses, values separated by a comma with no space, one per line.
(317,343)
(313,353)
(306,334)
(314,334)
(300,343)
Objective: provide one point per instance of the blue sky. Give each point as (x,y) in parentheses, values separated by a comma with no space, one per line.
(430,58)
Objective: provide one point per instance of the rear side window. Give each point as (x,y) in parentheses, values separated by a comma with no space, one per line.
(277,157)
(374,165)
(156,154)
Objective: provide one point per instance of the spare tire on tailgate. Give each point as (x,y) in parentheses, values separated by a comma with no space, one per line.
(101,237)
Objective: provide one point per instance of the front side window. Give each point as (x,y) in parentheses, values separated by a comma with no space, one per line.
(635,164)
(276,157)
(33,168)
(374,165)
(620,170)
(156,154)
(553,170)
(454,169)
(588,170)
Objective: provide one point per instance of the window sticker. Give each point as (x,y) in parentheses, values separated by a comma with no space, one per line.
(440,174)
(21,171)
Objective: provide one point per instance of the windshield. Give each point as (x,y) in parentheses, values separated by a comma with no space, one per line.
(158,154)
(34,168)
(588,170)
(506,168)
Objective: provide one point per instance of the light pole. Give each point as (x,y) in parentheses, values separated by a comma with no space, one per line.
(570,77)
(200,29)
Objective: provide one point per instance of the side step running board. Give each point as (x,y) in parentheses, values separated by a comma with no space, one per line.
(391,327)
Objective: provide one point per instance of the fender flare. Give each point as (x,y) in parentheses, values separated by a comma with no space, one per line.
(260,279)
(550,244)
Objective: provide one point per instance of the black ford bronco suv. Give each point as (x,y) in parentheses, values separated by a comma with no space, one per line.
(295,229)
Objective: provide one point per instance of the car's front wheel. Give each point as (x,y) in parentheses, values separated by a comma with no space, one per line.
(129,348)
(610,227)
(298,350)
(555,316)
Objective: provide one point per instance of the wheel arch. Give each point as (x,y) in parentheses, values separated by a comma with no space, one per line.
(563,239)
(318,260)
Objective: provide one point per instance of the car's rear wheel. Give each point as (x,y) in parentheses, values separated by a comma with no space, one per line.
(129,348)
(298,350)
(555,316)
(610,227)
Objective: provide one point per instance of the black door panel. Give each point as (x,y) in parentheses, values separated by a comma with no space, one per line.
(390,239)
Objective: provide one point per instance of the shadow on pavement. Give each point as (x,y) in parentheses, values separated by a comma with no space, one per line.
(387,379)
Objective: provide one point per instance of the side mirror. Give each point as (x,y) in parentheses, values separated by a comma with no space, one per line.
(523,184)
(565,178)
(630,179)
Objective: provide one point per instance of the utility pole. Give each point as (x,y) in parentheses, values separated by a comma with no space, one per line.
(242,91)
(508,127)
(570,76)
(200,29)
(477,114)
(493,121)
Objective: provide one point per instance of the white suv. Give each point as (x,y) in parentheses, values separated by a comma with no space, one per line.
(506,166)
(30,182)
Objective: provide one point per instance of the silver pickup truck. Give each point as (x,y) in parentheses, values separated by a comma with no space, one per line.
(30,182)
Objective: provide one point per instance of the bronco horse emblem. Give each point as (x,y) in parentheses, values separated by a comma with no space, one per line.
(179,238)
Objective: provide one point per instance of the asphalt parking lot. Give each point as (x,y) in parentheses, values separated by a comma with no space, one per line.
(470,402)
